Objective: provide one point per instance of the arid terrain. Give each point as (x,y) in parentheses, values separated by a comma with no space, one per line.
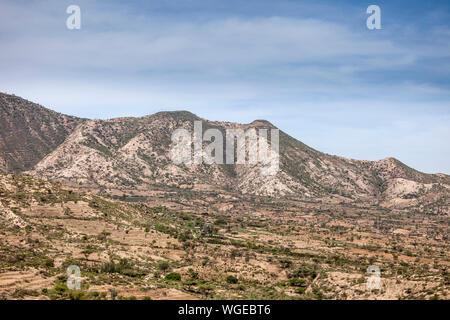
(103,195)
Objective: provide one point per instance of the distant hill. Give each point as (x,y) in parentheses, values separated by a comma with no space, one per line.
(29,131)
(133,154)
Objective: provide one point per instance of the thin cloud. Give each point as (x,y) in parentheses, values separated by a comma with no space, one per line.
(319,74)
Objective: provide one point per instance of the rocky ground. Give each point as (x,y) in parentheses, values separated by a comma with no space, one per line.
(189,245)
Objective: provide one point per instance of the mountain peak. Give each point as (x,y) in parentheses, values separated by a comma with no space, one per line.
(177,114)
(262,123)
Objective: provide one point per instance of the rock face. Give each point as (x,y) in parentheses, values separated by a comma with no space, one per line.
(29,131)
(134,154)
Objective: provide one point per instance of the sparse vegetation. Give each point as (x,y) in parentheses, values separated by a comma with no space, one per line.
(136,234)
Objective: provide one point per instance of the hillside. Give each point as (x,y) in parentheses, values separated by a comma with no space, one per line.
(28,132)
(159,249)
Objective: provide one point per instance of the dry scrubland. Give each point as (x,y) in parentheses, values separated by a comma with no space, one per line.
(190,245)
(141,227)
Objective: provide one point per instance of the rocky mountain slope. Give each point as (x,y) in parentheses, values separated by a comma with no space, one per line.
(134,154)
(29,131)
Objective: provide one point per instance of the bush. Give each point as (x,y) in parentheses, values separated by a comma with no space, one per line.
(285,263)
(304,272)
(205,289)
(61,292)
(60,288)
(113,293)
(173,276)
(77,295)
(163,265)
(220,222)
(300,290)
(123,267)
(49,262)
(232,280)
(193,274)
(297,282)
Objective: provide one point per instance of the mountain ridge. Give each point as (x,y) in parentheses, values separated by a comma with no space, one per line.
(29,132)
(132,153)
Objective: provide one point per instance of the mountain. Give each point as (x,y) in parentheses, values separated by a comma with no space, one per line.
(113,203)
(28,132)
(163,250)
(132,155)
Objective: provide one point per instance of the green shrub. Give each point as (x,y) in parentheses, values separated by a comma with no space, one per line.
(49,263)
(173,276)
(220,222)
(193,274)
(300,290)
(295,282)
(232,279)
(206,289)
(123,267)
(163,265)
(303,272)
(285,263)
(77,295)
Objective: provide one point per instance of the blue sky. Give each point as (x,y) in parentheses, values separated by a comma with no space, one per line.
(310,67)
